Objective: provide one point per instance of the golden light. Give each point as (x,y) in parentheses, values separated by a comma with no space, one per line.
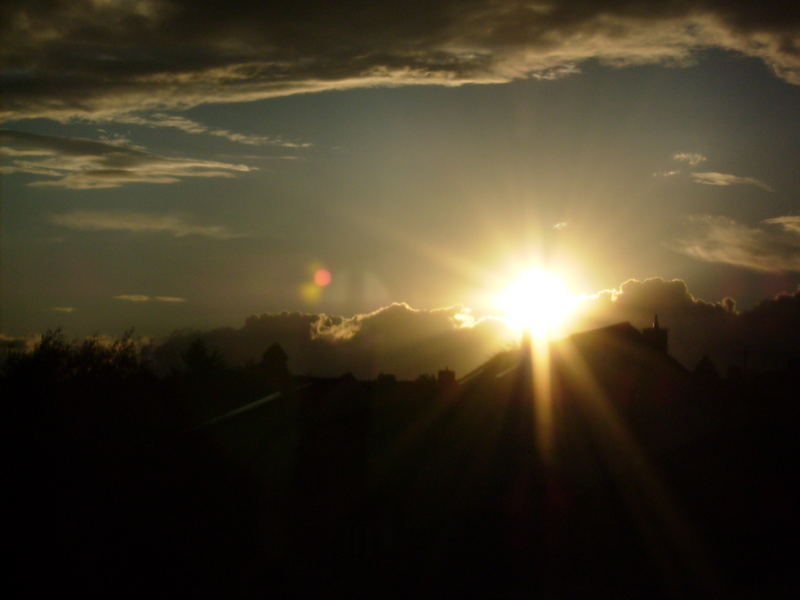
(538,302)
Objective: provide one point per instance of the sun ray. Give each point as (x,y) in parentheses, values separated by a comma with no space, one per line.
(658,512)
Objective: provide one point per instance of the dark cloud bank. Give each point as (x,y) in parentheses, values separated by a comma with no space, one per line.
(98,59)
(400,340)
(766,336)
(396,339)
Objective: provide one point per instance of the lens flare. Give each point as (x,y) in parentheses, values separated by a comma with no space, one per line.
(322,277)
(310,293)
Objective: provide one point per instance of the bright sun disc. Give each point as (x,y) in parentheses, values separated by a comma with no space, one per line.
(537,302)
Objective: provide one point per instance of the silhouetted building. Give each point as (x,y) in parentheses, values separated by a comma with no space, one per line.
(706,370)
(619,337)
(333,418)
(628,364)
(386,379)
(446,378)
(655,336)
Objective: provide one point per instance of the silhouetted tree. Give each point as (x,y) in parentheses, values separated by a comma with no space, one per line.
(200,361)
(273,364)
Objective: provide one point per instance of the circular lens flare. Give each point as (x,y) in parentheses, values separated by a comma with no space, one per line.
(537,302)
(322,277)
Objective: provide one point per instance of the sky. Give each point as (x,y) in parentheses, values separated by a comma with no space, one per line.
(167,165)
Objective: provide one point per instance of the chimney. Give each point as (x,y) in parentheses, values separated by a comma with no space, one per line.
(656,337)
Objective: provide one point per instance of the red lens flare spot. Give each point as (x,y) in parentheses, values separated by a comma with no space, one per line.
(322,277)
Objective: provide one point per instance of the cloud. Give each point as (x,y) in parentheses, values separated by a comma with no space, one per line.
(138,222)
(711,177)
(79,163)
(394,339)
(396,321)
(691,158)
(790,223)
(189,126)
(723,240)
(89,59)
(6,151)
(132,297)
(726,179)
(769,332)
(62,309)
(11,344)
(560,225)
(144,298)
(405,341)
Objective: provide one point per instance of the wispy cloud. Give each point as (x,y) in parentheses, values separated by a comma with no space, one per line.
(6,151)
(716,178)
(145,298)
(94,59)
(723,240)
(9,343)
(189,126)
(79,163)
(62,309)
(691,158)
(139,222)
(726,179)
(790,223)
(560,225)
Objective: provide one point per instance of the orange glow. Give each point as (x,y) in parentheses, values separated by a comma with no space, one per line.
(322,277)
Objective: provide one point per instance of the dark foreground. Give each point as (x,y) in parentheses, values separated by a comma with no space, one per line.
(655,482)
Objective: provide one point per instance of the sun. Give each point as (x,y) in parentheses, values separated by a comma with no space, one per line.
(537,302)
